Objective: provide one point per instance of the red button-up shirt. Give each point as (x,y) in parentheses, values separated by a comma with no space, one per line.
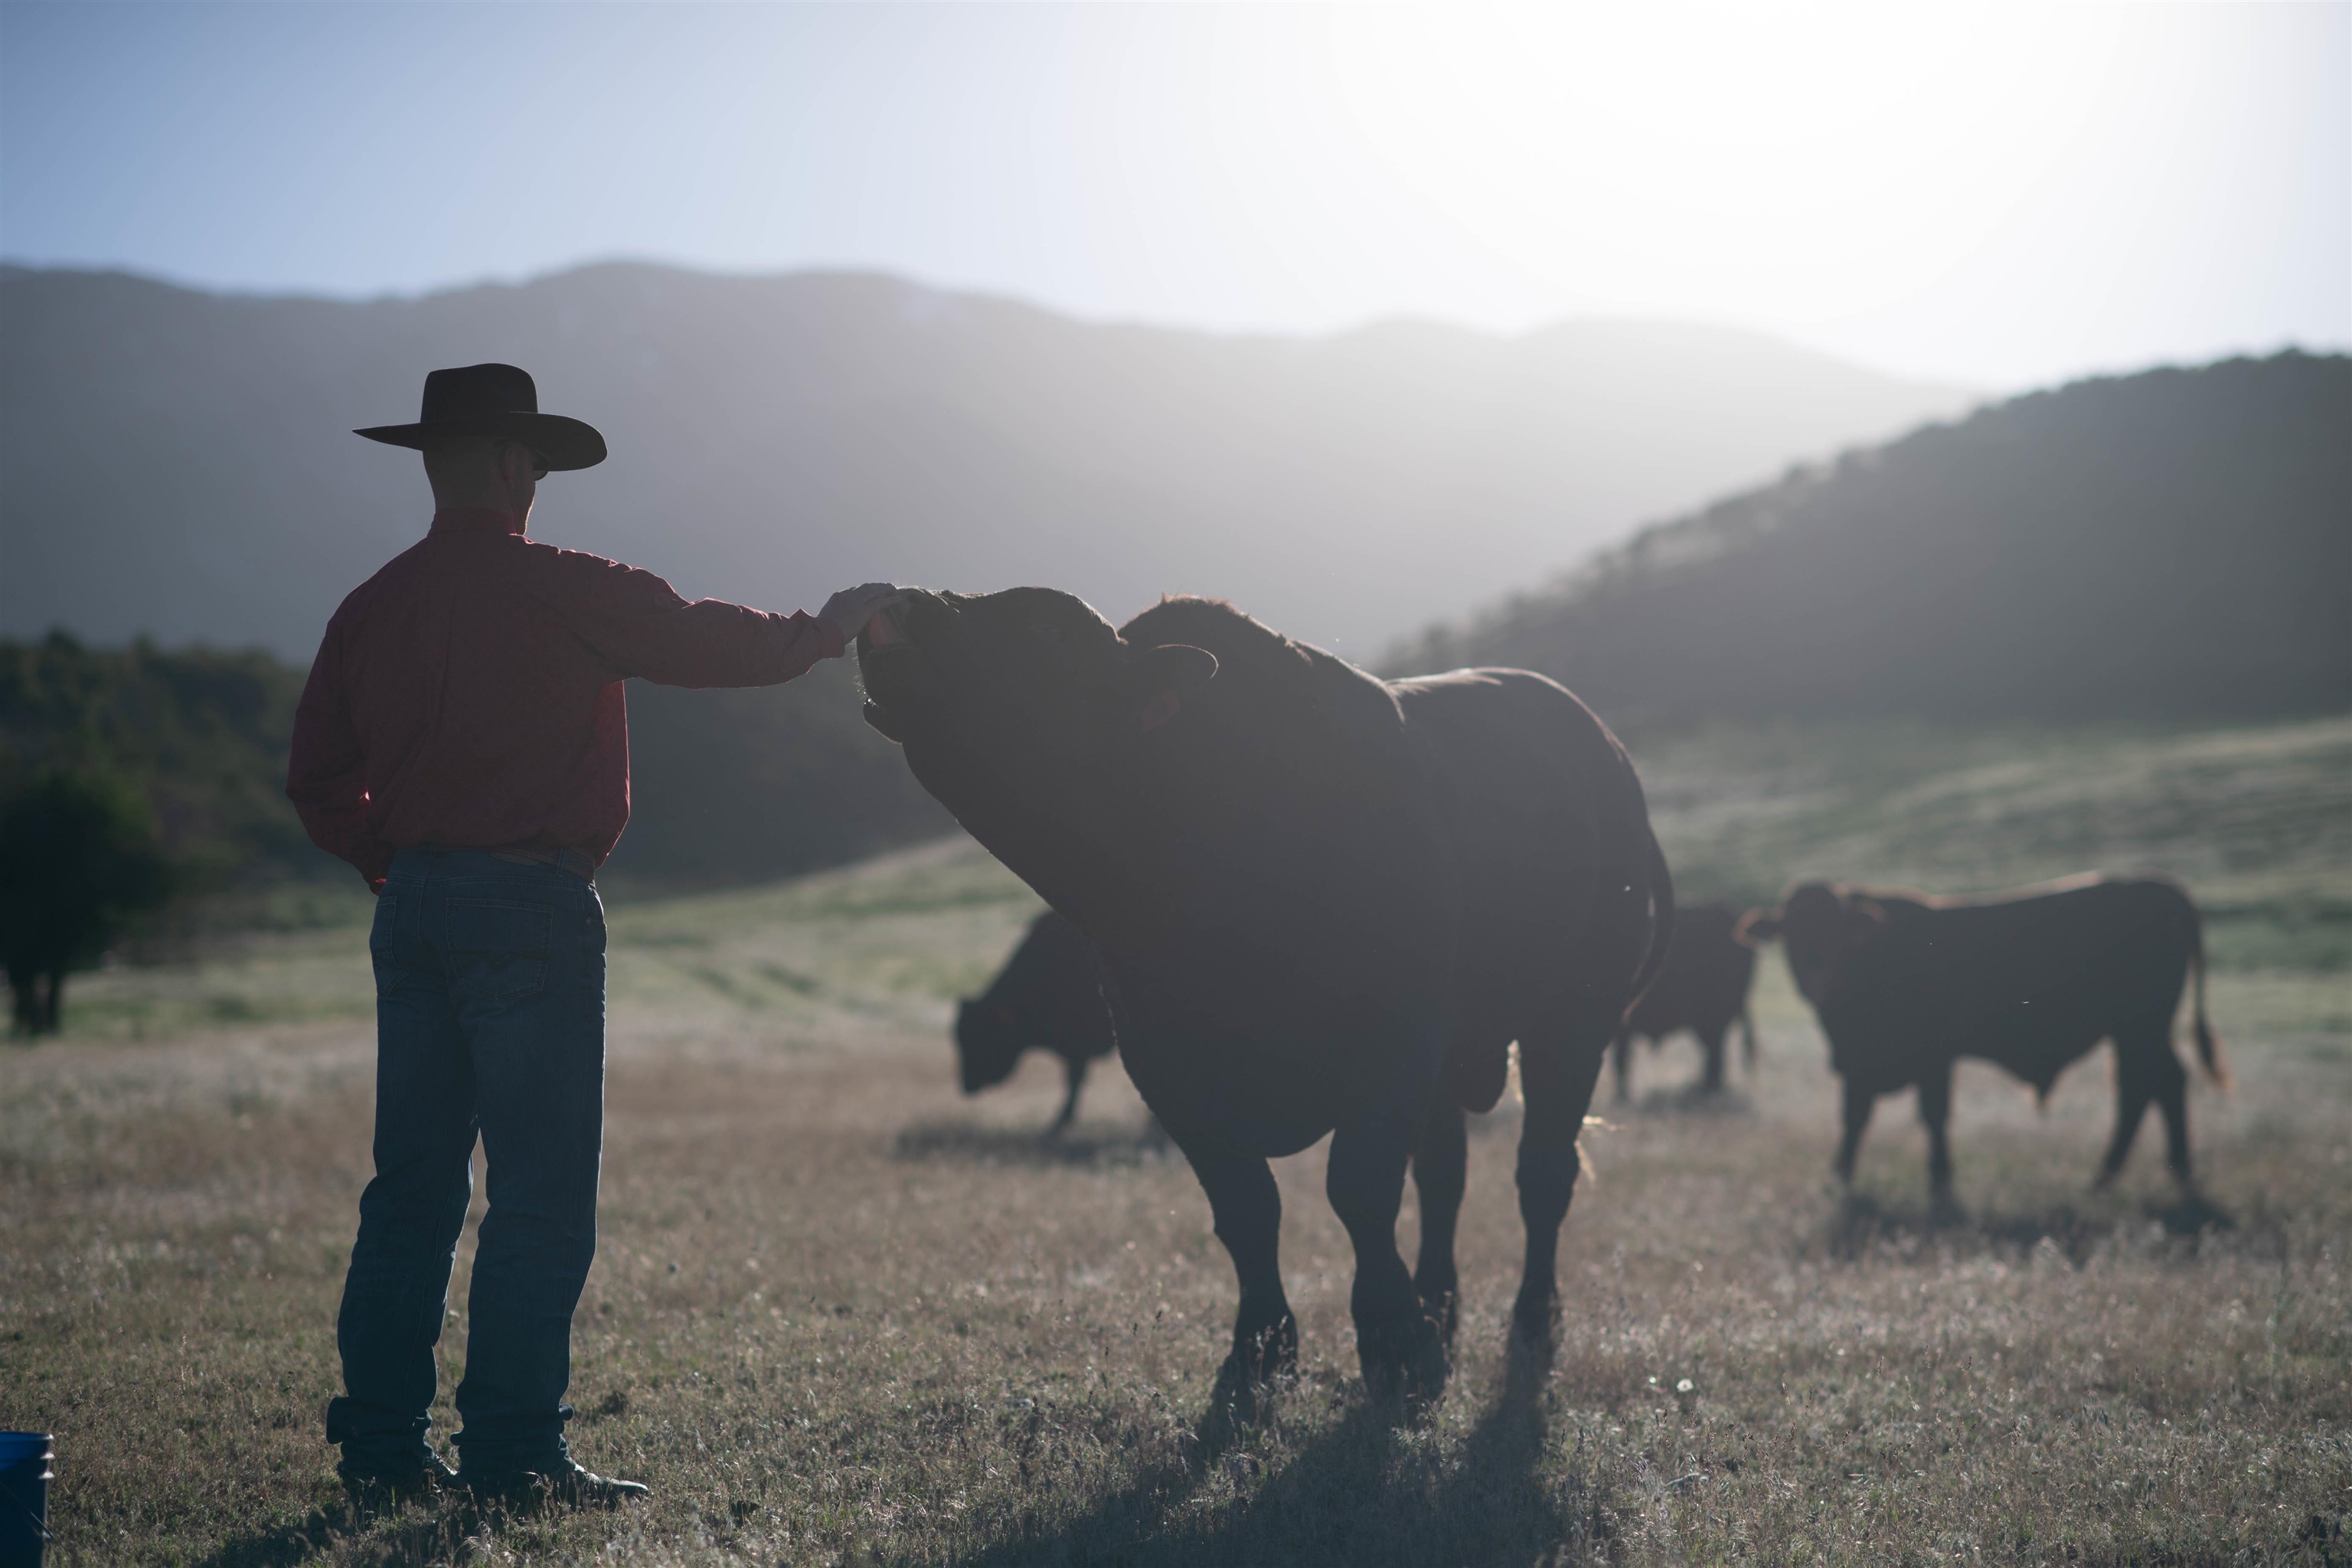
(468,695)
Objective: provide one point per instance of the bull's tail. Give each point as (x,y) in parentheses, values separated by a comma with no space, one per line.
(2208,1049)
(1747,1038)
(1662,927)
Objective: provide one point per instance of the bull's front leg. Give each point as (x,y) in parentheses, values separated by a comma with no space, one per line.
(1396,1342)
(1441,1169)
(1936,1115)
(1247,1209)
(1711,1042)
(1859,1103)
(1074,1078)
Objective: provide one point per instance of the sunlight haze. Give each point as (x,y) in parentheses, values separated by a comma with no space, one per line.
(1995,195)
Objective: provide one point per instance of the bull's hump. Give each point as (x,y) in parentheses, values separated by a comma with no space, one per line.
(1214,624)
(1253,657)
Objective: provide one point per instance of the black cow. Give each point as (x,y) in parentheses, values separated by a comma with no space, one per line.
(1047,996)
(1703,988)
(1322,904)
(1904,984)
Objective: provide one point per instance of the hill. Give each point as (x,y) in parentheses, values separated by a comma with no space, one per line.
(2173,544)
(179,464)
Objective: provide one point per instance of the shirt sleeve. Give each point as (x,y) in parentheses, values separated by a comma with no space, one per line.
(637,623)
(326,777)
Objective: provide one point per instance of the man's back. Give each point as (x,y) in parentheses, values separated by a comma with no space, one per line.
(473,687)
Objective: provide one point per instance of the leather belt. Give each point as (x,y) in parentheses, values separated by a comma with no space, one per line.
(579,862)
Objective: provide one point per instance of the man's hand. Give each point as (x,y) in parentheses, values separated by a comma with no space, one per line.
(852,607)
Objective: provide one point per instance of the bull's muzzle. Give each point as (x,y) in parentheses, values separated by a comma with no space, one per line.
(892,660)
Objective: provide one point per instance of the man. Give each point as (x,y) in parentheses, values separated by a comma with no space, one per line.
(462,741)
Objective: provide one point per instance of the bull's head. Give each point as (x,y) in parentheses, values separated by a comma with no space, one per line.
(988,1037)
(1820,927)
(1024,712)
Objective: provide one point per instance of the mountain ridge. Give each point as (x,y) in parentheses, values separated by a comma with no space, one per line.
(179,463)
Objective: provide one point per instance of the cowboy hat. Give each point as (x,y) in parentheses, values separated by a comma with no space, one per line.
(493,400)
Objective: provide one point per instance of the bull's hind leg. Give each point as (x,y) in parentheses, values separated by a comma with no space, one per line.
(1073,1078)
(2146,1069)
(1558,1072)
(1440,1172)
(2172,1097)
(1936,1115)
(1859,1103)
(1247,1207)
(1710,1043)
(2135,1086)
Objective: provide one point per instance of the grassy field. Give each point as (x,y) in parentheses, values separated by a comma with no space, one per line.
(841,1315)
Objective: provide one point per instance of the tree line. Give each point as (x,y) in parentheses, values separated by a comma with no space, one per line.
(137,781)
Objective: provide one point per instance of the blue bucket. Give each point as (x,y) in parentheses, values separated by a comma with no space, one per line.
(23,1497)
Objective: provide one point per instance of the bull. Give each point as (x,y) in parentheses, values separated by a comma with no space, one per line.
(1703,987)
(1905,983)
(1320,903)
(1047,996)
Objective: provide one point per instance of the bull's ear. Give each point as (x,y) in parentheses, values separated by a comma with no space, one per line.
(1869,910)
(1161,681)
(880,722)
(1757,927)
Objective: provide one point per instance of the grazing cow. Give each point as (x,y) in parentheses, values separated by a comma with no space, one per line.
(1904,983)
(1703,988)
(1047,996)
(1321,903)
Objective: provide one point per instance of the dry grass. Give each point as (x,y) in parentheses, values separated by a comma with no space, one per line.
(841,1315)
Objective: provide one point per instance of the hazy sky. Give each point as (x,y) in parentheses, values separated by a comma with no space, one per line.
(2000,195)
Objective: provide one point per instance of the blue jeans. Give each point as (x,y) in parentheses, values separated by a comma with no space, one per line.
(489,979)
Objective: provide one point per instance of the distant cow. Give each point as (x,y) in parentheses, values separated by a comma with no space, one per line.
(1047,995)
(1322,904)
(1904,984)
(1703,988)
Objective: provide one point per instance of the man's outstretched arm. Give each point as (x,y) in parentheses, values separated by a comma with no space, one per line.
(640,623)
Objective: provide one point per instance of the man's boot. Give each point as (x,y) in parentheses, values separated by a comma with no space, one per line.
(387,1483)
(527,1490)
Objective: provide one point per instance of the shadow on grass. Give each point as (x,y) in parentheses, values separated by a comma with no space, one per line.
(1862,1225)
(1084,1144)
(1691,1100)
(1365,1490)
(451,1528)
(417,1534)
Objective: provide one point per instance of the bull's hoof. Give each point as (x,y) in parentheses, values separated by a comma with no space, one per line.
(1272,1351)
(1944,1211)
(1239,1395)
(1526,1360)
(1535,1319)
(1235,1399)
(1256,1359)
(1404,1364)
(2195,1213)
(1441,1304)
